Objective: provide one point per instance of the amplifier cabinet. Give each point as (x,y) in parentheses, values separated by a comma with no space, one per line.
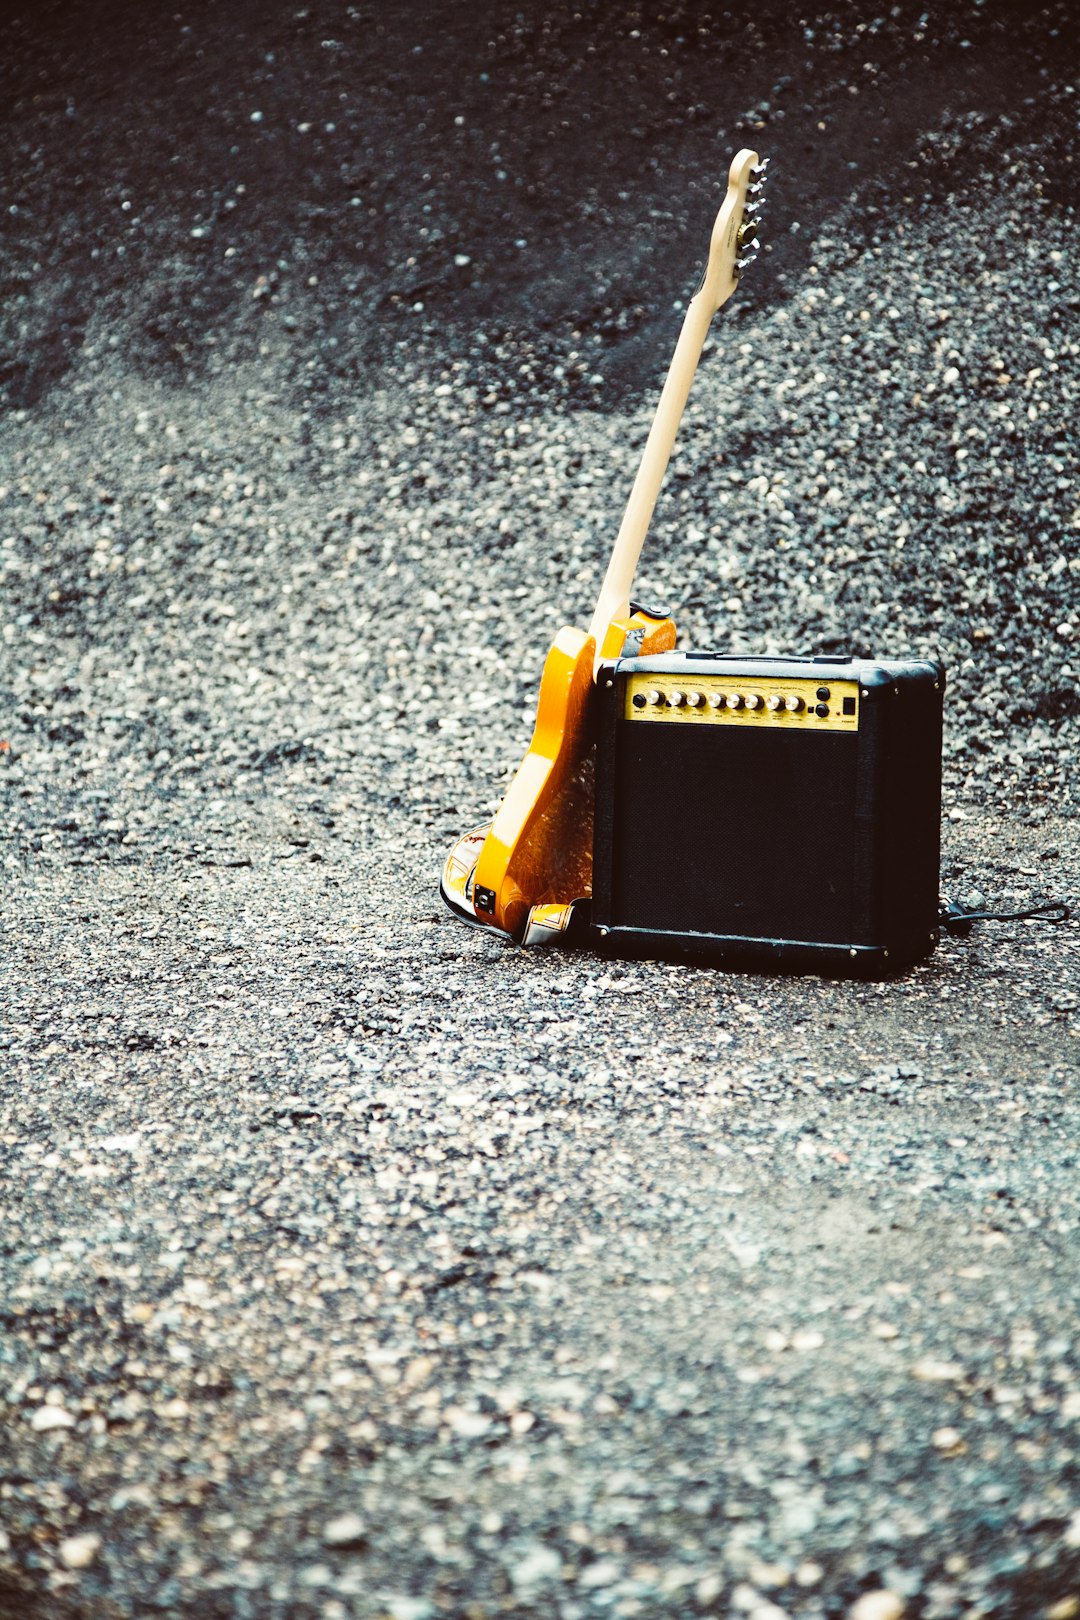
(770,812)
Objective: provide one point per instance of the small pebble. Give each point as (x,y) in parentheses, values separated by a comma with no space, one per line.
(880,1605)
(932,1371)
(51,1417)
(884,1330)
(402,1606)
(348,1530)
(79,1552)
(538,1566)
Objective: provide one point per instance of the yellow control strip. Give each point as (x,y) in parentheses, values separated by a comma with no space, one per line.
(802,703)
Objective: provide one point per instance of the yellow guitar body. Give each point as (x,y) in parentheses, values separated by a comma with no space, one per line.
(538,850)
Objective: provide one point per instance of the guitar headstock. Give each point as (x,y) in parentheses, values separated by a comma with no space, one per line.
(734,243)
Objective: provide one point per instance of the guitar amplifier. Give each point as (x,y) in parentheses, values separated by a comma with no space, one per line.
(770,812)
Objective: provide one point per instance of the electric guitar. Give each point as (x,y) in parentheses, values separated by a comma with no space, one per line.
(537,853)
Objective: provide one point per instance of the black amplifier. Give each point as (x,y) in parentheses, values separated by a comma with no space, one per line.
(771,812)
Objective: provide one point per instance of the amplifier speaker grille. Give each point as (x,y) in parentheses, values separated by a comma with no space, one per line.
(747,827)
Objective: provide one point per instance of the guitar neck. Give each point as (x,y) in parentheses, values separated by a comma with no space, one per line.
(734,224)
(614,599)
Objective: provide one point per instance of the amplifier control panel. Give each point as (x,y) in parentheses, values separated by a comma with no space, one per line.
(801,703)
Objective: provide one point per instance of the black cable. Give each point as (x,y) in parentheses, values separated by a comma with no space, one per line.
(955,920)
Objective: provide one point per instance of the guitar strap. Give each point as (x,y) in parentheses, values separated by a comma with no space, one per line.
(558,925)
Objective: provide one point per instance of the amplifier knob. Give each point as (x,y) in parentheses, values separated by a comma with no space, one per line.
(734,701)
(716,700)
(774,701)
(694,699)
(753,701)
(676,700)
(653,697)
(793,705)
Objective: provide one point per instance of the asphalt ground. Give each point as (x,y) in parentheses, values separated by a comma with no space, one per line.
(353,1263)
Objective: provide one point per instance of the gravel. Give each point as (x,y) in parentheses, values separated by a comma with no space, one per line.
(353,1264)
